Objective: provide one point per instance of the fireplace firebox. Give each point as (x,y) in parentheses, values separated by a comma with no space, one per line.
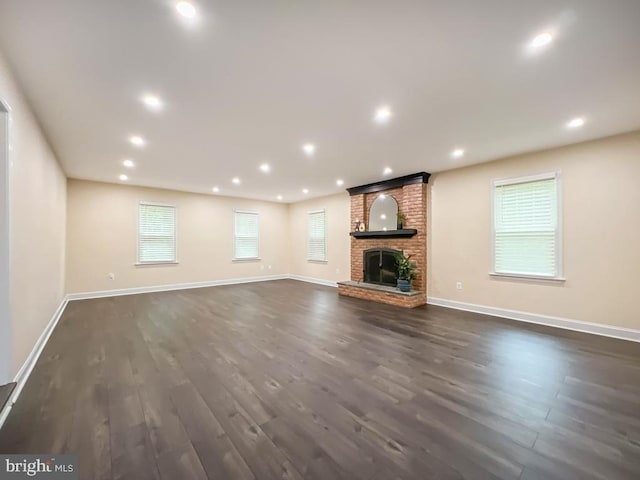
(380,266)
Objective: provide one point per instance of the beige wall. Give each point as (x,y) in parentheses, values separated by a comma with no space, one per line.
(101,233)
(338,210)
(601,229)
(37,231)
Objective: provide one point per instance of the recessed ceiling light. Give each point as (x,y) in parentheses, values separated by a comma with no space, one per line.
(383,115)
(265,168)
(575,122)
(339,182)
(137,140)
(124,178)
(541,40)
(305,190)
(236,180)
(279,197)
(309,149)
(383,216)
(457,153)
(382,196)
(387,171)
(152,102)
(215,189)
(128,163)
(186,9)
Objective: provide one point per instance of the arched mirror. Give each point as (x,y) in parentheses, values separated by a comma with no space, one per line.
(383,212)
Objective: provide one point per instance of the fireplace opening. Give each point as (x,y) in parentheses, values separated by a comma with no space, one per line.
(380,266)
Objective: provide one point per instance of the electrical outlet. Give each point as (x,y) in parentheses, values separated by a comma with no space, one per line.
(337,270)
(111,276)
(261,267)
(459,285)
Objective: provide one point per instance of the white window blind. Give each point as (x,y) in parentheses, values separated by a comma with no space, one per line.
(246,235)
(526,227)
(156,233)
(317,239)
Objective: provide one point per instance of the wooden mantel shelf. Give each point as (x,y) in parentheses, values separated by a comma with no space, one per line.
(404,233)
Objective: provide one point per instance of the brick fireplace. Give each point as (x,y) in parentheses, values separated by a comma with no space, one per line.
(410,193)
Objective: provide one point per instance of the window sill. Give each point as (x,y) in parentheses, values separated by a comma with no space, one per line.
(527,277)
(310,260)
(154,264)
(240,260)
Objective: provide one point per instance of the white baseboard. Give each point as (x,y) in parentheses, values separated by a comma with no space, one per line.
(318,281)
(186,286)
(558,322)
(27,367)
(174,286)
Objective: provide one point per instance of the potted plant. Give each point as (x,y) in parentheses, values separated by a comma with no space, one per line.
(406,271)
(400,220)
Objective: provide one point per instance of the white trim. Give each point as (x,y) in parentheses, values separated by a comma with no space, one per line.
(318,281)
(173,286)
(525,179)
(6,326)
(528,277)
(27,367)
(557,322)
(154,264)
(185,286)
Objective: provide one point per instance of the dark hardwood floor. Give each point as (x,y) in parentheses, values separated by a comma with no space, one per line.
(287,380)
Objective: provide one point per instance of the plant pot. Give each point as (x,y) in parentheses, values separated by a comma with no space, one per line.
(404,285)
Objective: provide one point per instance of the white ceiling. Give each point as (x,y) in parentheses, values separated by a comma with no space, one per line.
(253,80)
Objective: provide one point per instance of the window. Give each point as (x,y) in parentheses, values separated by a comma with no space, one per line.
(317,239)
(246,237)
(156,233)
(526,230)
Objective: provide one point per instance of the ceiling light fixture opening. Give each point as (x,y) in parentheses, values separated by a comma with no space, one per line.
(383,114)
(235,181)
(124,178)
(265,168)
(128,163)
(305,190)
(215,189)
(541,40)
(137,141)
(186,9)
(279,197)
(339,182)
(575,122)
(152,102)
(457,153)
(309,149)
(387,171)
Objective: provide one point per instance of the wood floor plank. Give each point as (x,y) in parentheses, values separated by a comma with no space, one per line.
(216,452)
(287,380)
